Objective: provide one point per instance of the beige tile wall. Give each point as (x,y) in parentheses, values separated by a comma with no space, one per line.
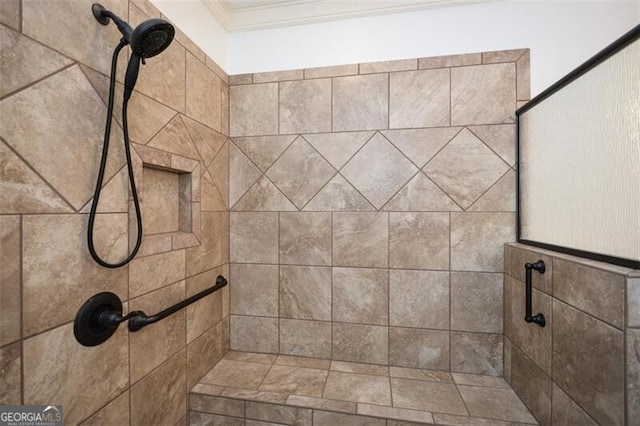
(53,91)
(574,370)
(369,206)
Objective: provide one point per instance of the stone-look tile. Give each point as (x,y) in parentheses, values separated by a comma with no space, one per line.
(421,194)
(254,237)
(419,99)
(327,418)
(633,302)
(253,395)
(360,239)
(56,366)
(421,374)
(338,195)
(305,338)
(299,361)
(465,168)
(23,191)
(502,56)
(203,91)
(34,125)
(272,76)
(567,412)
(360,343)
(501,138)
(379,170)
(419,348)
(480,380)
(216,405)
(254,290)
(500,404)
(518,257)
(321,403)
(594,291)
(160,205)
(477,302)
(454,420)
(264,196)
(294,380)
(300,172)
(353,367)
(208,254)
(10,16)
(52,28)
(160,398)
(596,350)
(477,240)
(152,346)
(419,240)
(23,60)
(10,297)
(534,341)
(360,102)
(305,238)
(389,66)
(506,353)
(427,396)
(501,197)
(358,388)
(338,148)
(305,292)
(174,138)
(419,299)
(264,150)
(450,61)
(532,385)
(237,79)
(114,196)
(257,334)
(205,389)
(115,413)
(483,94)
(523,77)
(420,145)
(58,278)
(360,295)
(239,374)
(305,106)
(395,413)
(253,110)
(11,382)
(207,141)
(203,353)
(331,71)
(278,413)
(153,272)
(206,312)
(202,419)
(211,199)
(250,357)
(219,172)
(476,353)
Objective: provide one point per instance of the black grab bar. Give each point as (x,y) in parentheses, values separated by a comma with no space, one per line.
(100,316)
(539,317)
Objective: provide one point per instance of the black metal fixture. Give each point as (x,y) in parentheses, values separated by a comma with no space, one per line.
(539,317)
(100,316)
(148,39)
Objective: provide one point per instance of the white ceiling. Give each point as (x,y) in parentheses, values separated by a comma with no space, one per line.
(246,15)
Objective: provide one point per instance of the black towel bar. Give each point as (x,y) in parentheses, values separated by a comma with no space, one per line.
(539,317)
(100,316)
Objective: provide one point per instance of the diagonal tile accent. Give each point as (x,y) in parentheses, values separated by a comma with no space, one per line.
(245,173)
(264,196)
(25,61)
(219,172)
(300,172)
(339,195)
(207,141)
(378,170)
(40,126)
(146,116)
(499,137)
(421,194)
(264,150)
(211,200)
(338,148)
(501,197)
(465,168)
(420,145)
(174,138)
(114,196)
(23,191)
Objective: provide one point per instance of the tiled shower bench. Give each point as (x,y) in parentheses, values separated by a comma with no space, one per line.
(261,389)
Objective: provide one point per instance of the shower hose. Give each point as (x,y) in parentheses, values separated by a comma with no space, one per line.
(103,165)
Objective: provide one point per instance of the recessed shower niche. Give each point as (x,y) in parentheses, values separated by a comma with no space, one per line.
(169,185)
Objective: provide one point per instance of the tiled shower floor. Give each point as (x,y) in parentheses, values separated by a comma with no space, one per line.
(269,387)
